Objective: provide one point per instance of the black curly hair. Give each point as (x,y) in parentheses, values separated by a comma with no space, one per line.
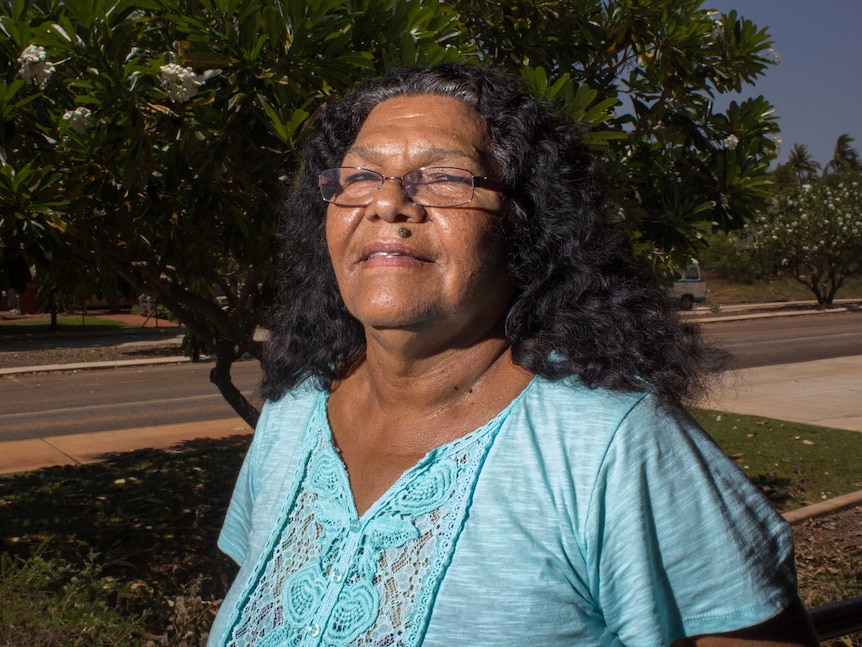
(583,306)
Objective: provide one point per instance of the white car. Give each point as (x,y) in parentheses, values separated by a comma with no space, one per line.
(689,287)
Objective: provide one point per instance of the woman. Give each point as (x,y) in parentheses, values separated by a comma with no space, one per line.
(472,433)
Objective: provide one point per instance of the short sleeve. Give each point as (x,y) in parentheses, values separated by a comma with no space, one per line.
(680,542)
(233,539)
(267,471)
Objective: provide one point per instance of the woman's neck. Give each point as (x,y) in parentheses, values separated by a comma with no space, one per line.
(390,411)
(433,381)
(429,371)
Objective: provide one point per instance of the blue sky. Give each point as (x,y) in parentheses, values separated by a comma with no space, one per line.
(817,87)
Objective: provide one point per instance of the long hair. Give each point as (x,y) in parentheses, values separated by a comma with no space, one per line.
(583,307)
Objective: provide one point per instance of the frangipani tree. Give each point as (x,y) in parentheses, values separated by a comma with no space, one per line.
(814,234)
(167,136)
(642,78)
(154,139)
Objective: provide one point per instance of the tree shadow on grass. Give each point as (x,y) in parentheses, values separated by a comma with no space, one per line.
(778,489)
(150,516)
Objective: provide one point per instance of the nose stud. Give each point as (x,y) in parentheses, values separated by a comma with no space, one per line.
(403,232)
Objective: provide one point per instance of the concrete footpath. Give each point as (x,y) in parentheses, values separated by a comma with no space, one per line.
(826,392)
(78,449)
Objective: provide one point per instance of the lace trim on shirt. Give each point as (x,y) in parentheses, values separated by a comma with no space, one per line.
(334,579)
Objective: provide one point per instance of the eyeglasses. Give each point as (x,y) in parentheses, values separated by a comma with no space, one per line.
(433,186)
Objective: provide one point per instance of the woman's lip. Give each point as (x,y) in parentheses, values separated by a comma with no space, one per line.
(382,249)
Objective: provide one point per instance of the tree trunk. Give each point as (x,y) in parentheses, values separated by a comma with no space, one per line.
(835,283)
(52,306)
(812,282)
(220,376)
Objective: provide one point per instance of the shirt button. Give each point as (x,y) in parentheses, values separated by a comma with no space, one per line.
(336,575)
(314,629)
(355,525)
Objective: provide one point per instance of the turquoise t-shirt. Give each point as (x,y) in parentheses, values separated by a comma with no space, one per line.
(576,516)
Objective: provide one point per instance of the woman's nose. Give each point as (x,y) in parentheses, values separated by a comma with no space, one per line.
(391,202)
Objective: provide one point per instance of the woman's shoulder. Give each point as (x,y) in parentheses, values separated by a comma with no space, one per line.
(286,416)
(297,402)
(567,401)
(569,417)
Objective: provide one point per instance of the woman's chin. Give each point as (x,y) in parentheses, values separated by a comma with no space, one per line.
(407,322)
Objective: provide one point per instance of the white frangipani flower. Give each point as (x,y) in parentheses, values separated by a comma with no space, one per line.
(78,119)
(717,24)
(778,141)
(34,66)
(730,142)
(179,83)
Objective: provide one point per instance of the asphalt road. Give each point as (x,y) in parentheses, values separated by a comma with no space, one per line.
(54,404)
(51,404)
(784,340)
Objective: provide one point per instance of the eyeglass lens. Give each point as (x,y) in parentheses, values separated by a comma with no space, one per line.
(431,187)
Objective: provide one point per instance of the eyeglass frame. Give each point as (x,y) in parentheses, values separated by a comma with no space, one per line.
(476,181)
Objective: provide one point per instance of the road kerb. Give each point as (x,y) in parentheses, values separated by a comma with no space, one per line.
(80,366)
(829,506)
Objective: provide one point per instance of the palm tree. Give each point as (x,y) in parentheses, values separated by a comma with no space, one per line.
(803,165)
(845,157)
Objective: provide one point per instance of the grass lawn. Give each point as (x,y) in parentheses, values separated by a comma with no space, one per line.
(794,464)
(123,552)
(41,325)
(117,553)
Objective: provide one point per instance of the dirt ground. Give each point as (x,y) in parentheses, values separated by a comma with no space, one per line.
(829,559)
(17,352)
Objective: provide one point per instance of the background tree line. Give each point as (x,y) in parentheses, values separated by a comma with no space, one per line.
(148,143)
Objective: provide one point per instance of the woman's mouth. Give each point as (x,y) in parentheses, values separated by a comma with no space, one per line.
(383,251)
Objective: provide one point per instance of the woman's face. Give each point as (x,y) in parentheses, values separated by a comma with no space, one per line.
(448,276)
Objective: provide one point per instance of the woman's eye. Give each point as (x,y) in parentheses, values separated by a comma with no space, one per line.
(443,177)
(360,177)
